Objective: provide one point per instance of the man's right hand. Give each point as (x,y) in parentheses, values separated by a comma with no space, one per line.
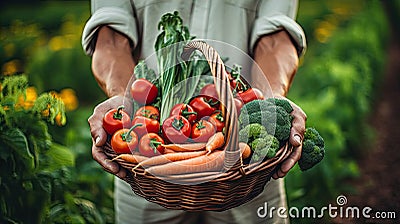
(99,135)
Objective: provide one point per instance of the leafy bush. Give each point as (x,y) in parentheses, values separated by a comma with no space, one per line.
(47,181)
(30,162)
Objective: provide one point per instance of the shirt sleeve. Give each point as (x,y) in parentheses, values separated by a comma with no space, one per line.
(274,15)
(117,14)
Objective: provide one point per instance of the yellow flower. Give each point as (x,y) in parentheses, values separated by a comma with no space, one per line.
(26,101)
(11,67)
(46,112)
(69,98)
(56,43)
(60,119)
(31,96)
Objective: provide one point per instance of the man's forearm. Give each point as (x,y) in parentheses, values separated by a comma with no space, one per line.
(112,62)
(277,57)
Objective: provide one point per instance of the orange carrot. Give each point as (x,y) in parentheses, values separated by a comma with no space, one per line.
(131,158)
(216,141)
(171,157)
(244,150)
(210,162)
(167,151)
(187,147)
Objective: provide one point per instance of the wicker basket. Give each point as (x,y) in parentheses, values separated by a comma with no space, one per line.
(208,191)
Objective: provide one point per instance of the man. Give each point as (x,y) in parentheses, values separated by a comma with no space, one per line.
(119,33)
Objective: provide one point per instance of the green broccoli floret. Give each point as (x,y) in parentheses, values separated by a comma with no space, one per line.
(264,148)
(281,103)
(251,132)
(272,113)
(313,149)
(313,134)
(255,106)
(276,121)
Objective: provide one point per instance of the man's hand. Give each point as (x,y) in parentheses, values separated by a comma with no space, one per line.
(295,139)
(277,58)
(99,135)
(112,66)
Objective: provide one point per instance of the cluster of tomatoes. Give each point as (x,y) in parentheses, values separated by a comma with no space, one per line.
(195,121)
(242,92)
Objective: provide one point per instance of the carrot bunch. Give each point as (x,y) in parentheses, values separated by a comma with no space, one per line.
(181,158)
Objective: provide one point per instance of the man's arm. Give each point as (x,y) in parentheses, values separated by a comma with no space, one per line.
(112,62)
(112,66)
(277,57)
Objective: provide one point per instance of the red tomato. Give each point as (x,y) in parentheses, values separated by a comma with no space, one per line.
(202,106)
(176,129)
(143,91)
(184,110)
(210,92)
(202,131)
(238,105)
(151,145)
(217,120)
(148,125)
(124,141)
(116,119)
(149,112)
(250,94)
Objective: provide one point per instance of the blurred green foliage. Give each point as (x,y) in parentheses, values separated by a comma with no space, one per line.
(31,164)
(335,86)
(43,41)
(45,44)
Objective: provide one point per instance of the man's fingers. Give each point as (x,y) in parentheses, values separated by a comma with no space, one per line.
(106,163)
(122,173)
(291,160)
(96,129)
(103,160)
(298,126)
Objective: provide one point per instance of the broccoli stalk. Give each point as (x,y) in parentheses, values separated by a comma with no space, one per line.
(313,149)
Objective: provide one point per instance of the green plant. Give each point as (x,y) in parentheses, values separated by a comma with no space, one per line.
(30,162)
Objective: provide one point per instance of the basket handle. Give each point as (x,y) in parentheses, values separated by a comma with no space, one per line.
(222,84)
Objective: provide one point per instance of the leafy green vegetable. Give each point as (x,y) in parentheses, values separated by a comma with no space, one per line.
(142,71)
(169,47)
